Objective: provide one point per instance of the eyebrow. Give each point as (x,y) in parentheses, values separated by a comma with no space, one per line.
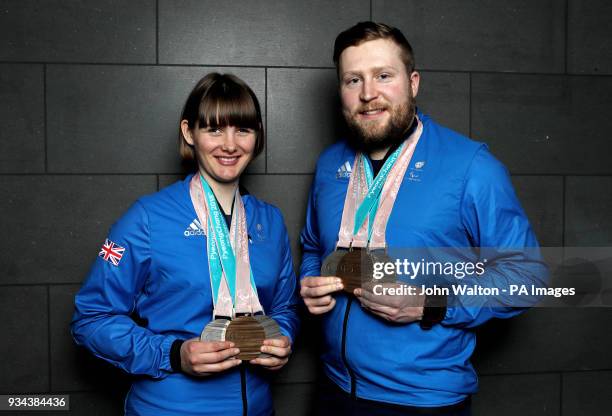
(375,69)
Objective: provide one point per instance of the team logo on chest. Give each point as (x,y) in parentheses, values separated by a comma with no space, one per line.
(194,229)
(259,232)
(414,174)
(344,171)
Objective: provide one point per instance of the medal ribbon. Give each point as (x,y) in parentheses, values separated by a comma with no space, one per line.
(369,202)
(231,277)
(369,205)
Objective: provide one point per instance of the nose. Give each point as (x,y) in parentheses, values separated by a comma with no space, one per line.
(368,90)
(229,141)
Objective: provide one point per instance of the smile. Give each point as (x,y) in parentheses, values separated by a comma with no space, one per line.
(227,160)
(372,113)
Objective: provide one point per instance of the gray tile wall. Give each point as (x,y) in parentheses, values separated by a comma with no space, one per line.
(90,95)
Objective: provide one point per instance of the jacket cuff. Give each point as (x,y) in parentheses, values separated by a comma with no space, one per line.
(175,355)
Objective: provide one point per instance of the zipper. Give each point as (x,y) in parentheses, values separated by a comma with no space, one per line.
(243,389)
(350,370)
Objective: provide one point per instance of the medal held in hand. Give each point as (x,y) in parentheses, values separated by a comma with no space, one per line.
(367,207)
(355,267)
(233,287)
(247,332)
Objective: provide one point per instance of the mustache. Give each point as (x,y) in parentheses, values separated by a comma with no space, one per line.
(370,107)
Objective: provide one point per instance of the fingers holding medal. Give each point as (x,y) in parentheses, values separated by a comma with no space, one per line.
(203,358)
(275,353)
(316,292)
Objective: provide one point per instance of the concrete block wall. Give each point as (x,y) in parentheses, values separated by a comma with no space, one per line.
(90,95)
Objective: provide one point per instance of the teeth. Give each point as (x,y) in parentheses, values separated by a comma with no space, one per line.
(370,112)
(227,159)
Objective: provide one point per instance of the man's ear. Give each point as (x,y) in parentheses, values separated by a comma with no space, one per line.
(414,83)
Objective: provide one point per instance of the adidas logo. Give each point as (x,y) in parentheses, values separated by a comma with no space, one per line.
(344,171)
(195,228)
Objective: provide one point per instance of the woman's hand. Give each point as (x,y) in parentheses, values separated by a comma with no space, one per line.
(202,358)
(279,349)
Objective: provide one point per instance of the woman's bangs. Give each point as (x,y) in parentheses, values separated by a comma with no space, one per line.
(228,105)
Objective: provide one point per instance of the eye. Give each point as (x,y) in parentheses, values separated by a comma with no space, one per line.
(349,82)
(244,131)
(214,131)
(384,76)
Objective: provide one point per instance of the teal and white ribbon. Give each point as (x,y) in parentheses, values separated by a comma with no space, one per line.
(369,205)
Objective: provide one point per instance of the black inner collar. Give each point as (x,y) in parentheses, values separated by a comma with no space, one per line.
(378,164)
(228,217)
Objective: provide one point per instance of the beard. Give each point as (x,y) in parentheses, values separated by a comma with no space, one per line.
(369,136)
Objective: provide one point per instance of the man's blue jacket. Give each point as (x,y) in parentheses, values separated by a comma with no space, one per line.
(163,279)
(454,194)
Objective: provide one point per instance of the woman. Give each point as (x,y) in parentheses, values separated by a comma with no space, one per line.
(166,262)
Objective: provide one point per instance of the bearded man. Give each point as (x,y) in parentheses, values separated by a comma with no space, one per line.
(400,180)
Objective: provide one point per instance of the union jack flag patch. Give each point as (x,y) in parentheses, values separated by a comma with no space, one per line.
(111,252)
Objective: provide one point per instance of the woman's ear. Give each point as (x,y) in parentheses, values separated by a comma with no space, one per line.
(186,132)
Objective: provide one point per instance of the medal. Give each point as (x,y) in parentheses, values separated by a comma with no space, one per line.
(353,266)
(330,264)
(246,332)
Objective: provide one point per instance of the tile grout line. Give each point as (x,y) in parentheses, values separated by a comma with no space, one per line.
(183,64)
(266,118)
(561,394)
(49,334)
(35,284)
(157,32)
(566,48)
(45,129)
(96,173)
(470,105)
(526,373)
(182,174)
(563,204)
(192,65)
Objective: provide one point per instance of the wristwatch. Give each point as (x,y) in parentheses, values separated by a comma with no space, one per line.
(434,311)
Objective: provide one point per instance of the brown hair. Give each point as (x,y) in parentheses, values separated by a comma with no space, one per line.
(367,31)
(220,100)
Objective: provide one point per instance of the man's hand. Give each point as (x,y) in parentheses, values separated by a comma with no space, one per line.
(202,358)
(316,292)
(393,308)
(279,349)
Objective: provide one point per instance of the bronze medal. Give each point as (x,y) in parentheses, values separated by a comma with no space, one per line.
(330,264)
(247,332)
(380,256)
(248,335)
(353,266)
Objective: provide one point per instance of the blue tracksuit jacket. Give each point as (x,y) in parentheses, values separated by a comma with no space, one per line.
(454,194)
(163,278)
